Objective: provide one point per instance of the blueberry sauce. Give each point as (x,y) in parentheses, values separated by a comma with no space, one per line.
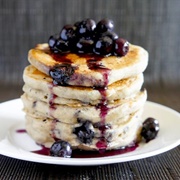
(61,58)
(51,101)
(52,98)
(43,151)
(102,153)
(102,143)
(85,154)
(21,131)
(96,64)
(102,106)
(90,154)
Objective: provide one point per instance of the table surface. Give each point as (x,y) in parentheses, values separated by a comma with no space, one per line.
(163,166)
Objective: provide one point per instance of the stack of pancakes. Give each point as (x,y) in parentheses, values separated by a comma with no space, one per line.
(99,106)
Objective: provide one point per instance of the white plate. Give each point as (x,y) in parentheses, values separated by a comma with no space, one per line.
(20,145)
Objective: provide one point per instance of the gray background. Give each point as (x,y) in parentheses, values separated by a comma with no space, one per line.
(153,24)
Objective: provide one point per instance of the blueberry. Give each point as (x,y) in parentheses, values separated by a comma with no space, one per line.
(61,149)
(61,46)
(52,41)
(55,50)
(86,28)
(104,25)
(150,129)
(68,32)
(87,37)
(61,73)
(103,46)
(84,46)
(121,47)
(110,34)
(76,24)
(58,45)
(84,133)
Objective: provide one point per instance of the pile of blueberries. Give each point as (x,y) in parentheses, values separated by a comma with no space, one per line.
(88,37)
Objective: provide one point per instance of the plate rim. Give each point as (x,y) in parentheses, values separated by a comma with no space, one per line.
(87,161)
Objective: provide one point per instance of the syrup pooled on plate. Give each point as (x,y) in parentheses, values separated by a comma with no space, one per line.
(85,154)
(90,154)
(21,131)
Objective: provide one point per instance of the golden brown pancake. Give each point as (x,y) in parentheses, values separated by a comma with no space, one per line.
(90,70)
(40,86)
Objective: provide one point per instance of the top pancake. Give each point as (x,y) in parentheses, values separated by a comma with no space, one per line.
(107,71)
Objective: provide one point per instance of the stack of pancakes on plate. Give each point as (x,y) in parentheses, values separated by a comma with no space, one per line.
(98,105)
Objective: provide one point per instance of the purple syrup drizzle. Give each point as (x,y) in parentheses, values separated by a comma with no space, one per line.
(102,106)
(52,107)
(52,98)
(43,151)
(90,154)
(85,154)
(51,101)
(102,143)
(21,131)
(96,64)
(61,58)
(102,153)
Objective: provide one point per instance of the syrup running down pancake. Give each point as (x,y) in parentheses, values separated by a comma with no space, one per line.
(39,85)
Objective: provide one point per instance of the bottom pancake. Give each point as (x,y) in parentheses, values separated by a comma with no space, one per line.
(86,135)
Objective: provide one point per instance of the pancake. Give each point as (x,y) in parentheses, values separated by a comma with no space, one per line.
(122,133)
(39,86)
(91,101)
(91,71)
(70,113)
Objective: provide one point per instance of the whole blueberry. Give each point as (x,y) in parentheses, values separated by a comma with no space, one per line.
(104,25)
(150,129)
(85,28)
(61,73)
(76,24)
(110,34)
(103,46)
(84,46)
(62,46)
(52,41)
(121,47)
(68,32)
(84,133)
(61,149)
